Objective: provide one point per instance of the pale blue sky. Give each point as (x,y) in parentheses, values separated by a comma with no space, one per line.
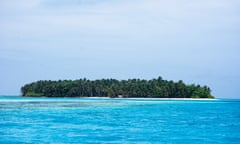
(197,41)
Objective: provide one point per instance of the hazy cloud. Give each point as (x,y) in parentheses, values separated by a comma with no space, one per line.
(191,40)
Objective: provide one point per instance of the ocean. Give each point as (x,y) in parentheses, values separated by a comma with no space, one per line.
(118,121)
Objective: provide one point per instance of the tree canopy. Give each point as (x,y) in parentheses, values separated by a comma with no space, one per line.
(154,88)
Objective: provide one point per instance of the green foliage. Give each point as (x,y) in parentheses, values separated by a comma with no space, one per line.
(158,88)
(32,94)
(202,92)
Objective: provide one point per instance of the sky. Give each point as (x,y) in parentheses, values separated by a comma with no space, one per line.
(197,41)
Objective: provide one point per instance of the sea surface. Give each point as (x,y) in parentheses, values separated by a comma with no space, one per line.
(118,121)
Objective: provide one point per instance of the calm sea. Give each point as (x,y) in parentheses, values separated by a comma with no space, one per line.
(98,120)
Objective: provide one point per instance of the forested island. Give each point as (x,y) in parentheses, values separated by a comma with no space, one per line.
(131,88)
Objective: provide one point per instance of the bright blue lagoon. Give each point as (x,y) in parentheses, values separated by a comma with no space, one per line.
(98,120)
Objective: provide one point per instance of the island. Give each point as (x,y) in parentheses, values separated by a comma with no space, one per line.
(131,88)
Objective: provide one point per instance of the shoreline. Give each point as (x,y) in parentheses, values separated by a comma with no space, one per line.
(191,99)
(109,98)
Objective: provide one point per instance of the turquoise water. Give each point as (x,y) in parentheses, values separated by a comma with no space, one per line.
(95,120)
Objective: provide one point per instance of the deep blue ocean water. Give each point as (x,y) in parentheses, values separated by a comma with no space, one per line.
(98,120)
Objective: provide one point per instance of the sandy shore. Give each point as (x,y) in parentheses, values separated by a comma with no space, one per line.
(29,99)
(192,99)
(195,99)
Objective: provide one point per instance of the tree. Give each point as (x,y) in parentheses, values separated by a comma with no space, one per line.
(111,87)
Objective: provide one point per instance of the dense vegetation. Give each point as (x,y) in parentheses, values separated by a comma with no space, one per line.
(155,88)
